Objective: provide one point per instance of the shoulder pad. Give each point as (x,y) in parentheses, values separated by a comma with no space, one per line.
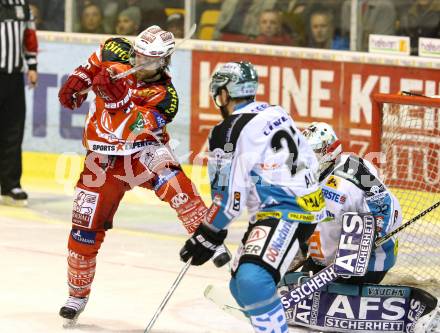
(355,171)
(117,49)
(225,135)
(170,103)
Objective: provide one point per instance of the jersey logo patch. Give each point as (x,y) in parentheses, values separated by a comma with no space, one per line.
(313,202)
(84,207)
(257,238)
(334,196)
(332,182)
(267,215)
(117,49)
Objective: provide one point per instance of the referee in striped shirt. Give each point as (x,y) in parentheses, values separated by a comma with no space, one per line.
(18,45)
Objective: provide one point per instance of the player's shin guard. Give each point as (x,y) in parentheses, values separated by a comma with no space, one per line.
(80,274)
(255,290)
(83,248)
(178,190)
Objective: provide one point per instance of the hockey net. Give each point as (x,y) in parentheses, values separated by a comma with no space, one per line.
(407,133)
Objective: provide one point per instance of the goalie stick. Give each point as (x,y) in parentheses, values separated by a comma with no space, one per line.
(385,238)
(236,311)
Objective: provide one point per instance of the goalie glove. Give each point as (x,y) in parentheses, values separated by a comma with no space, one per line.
(115,93)
(202,245)
(69,94)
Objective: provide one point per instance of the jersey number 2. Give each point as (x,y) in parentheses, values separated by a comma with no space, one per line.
(291,145)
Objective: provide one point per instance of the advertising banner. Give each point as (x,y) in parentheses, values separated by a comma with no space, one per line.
(335,92)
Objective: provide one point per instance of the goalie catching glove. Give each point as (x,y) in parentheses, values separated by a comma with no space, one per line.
(115,93)
(202,245)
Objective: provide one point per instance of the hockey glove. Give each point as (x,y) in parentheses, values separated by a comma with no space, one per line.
(202,245)
(69,94)
(115,93)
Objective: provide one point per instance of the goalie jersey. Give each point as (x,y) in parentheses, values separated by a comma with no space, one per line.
(259,159)
(354,186)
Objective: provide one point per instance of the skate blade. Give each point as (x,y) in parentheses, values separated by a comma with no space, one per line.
(70,323)
(8,201)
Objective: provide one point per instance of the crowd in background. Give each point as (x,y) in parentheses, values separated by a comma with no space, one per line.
(307,23)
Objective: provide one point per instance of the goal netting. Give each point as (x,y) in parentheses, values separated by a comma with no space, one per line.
(406,130)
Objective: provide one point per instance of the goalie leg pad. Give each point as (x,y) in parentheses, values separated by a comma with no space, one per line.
(359,308)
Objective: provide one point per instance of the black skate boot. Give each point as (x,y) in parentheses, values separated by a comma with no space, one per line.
(15,197)
(72,309)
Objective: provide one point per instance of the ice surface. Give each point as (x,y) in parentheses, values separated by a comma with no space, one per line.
(136,266)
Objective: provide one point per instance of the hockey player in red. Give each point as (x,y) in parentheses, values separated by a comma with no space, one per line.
(125,137)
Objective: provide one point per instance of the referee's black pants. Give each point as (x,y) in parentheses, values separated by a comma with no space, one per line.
(12,117)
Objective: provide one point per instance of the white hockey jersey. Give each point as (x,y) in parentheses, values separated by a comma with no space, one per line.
(259,159)
(354,186)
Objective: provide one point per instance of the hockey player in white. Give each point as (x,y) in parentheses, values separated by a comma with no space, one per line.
(259,159)
(350,184)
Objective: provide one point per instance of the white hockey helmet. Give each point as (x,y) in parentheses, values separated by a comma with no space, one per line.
(324,142)
(153,45)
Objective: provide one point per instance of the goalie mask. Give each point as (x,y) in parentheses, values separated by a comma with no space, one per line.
(240,79)
(324,142)
(153,48)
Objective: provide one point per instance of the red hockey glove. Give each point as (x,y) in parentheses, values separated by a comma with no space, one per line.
(78,81)
(115,93)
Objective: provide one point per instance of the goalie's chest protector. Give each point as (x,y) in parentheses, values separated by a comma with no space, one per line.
(341,196)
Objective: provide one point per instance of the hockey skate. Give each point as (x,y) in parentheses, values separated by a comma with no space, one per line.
(221,256)
(72,309)
(15,197)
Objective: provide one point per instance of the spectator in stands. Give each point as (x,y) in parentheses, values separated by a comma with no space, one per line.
(239,19)
(296,16)
(129,21)
(50,14)
(421,20)
(374,17)
(175,25)
(153,12)
(36,13)
(91,19)
(322,31)
(271,30)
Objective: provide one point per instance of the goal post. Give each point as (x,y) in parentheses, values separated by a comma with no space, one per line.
(406,132)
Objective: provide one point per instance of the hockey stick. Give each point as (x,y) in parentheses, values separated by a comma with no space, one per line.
(217,296)
(168,295)
(385,238)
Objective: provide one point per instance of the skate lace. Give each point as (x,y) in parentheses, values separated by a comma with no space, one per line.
(76,303)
